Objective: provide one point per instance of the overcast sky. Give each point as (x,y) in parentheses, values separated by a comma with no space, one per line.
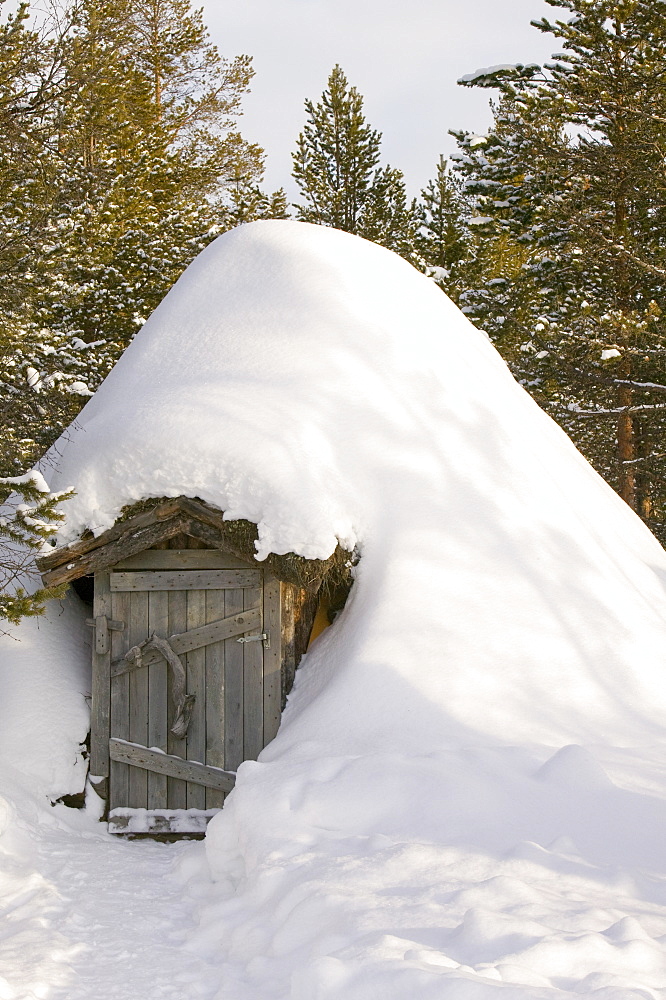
(404,58)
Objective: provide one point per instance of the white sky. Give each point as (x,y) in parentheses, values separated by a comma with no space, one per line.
(403,58)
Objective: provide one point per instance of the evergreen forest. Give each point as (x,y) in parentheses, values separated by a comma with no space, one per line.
(121,158)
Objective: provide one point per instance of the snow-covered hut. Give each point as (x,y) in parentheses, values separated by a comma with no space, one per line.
(195,649)
(467,793)
(314,390)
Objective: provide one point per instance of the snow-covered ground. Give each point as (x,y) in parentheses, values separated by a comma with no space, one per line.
(467,797)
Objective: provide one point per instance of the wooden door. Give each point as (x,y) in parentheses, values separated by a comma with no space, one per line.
(180,718)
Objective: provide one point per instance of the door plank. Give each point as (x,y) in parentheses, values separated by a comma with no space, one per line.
(175,767)
(233,687)
(196,685)
(176,789)
(158,725)
(253,688)
(101,688)
(138,700)
(214,697)
(196,579)
(272,659)
(119,725)
(182,559)
(183,642)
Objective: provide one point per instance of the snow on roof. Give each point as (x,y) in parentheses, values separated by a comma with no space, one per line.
(318,385)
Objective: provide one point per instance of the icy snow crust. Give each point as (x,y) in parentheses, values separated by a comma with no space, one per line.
(467,797)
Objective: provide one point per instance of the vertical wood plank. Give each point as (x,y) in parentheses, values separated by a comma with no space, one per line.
(196,685)
(158,622)
(253,685)
(119,726)
(273,685)
(138,700)
(101,687)
(214,697)
(176,788)
(233,688)
(288,610)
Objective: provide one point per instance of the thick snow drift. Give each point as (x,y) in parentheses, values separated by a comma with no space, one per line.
(466,797)
(44,690)
(318,385)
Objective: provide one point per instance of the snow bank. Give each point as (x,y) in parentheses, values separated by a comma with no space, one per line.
(44,713)
(445,810)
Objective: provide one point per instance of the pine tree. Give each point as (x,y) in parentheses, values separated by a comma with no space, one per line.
(124,174)
(148,144)
(390,219)
(336,168)
(335,158)
(593,123)
(33,89)
(443,239)
(30,517)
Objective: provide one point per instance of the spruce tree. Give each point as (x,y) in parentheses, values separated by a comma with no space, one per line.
(593,124)
(31,516)
(443,239)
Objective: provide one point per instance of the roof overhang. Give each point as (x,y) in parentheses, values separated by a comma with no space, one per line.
(163,520)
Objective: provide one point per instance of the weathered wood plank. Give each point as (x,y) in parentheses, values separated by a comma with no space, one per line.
(214,697)
(233,688)
(161,512)
(196,685)
(288,597)
(305,610)
(253,689)
(157,821)
(119,724)
(183,642)
(174,767)
(158,723)
(101,686)
(273,680)
(180,559)
(138,699)
(176,789)
(204,579)
(100,556)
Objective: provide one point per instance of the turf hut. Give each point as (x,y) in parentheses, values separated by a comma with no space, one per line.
(195,649)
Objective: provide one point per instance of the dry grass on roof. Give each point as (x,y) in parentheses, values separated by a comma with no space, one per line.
(239,537)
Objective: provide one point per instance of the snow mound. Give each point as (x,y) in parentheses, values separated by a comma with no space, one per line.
(319,386)
(445,810)
(45,687)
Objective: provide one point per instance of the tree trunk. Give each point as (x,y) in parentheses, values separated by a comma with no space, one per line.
(626,448)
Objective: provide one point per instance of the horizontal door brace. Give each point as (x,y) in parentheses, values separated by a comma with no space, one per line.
(174,767)
(183,642)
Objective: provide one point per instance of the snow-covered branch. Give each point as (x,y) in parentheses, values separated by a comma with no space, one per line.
(573,411)
(646,386)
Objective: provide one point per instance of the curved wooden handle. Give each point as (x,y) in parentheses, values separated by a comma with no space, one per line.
(184,703)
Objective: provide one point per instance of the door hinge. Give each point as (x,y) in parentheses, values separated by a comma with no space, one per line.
(265,637)
(102,625)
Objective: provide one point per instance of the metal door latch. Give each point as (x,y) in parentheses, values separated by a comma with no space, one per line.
(265,637)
